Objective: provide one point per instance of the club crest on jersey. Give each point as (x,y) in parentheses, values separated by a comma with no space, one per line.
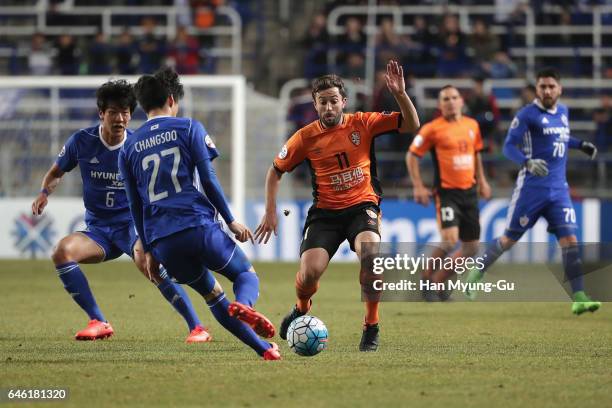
(524,220)
(564,120)
(371,213)
(355,138)
(472,135)
(418,141)
(283,153)
(62,152)
(515,123)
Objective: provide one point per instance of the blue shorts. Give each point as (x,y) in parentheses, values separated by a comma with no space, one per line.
(529,204)
(187,254)
(114,241)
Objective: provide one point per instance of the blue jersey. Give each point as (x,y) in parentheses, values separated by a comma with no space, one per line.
(103,193)
(542,134)
(158,162)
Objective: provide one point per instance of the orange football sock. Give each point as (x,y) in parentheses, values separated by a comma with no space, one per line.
(371,312)
(304,293)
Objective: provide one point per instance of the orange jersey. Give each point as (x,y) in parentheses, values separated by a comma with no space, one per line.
(453,146)
(341,159)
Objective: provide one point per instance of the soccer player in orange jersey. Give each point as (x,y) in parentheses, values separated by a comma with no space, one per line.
(455,143)
(339,149)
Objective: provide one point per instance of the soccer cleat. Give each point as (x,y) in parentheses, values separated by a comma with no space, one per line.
(198,335)
(582,303)
(273,353)
(95,330)
(369,337)
(473,276)
(257,321)
(291,316)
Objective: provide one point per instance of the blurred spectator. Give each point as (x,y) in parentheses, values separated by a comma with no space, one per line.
(420,59)
(450,27)
(315,44)
(500,67)
(68,56)
(354,67)
(100,56)
(39,57)
(126,52)
(204,12)
(483,44)
(452,59)
(302,111)
(352,41)
(482,106)
(184,53)
(151,49)
(528,94)
(389,44)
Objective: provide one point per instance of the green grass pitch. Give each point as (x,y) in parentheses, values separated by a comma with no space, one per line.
(431,355)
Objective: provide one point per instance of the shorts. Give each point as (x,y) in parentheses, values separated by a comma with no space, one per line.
(189,253)
(529,204)
(327,229)
(459,208)
(114,241)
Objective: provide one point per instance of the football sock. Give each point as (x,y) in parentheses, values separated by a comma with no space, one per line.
(371,312)
(304,294)
(218,306)
(573,267)
(76,285)
(246,288)
(176,295)
(493,252)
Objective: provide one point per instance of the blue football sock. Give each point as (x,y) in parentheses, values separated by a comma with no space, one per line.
(493,252)
(218,307)
(76,285)
(573,268)
(176,295)
(246,288)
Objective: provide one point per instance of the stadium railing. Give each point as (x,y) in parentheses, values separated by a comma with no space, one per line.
(36,21)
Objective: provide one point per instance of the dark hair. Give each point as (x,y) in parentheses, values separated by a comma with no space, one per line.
(326,82)
(449,86)
(548,72)
(119,93)
(152,91)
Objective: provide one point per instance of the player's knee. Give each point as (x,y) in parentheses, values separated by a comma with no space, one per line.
(61,253)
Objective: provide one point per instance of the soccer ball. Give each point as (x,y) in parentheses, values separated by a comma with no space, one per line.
(307,336)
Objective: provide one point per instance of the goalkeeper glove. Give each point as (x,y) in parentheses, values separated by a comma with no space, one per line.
(537,167)
(589,149)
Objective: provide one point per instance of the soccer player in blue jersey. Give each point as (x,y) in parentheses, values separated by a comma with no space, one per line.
(177,222)
(538,140)
(110,230)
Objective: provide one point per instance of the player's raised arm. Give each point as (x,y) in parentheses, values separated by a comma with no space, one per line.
(397,86)
(49,184)
(269,222)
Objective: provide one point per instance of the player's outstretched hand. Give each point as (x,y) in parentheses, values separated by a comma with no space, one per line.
(268,224)
(537,167)
(241,232)
(395,78)
(589,149)
(39,204)
(484,189)
(422,195)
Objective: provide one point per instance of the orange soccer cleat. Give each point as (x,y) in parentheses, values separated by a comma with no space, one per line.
(95,330)
(258,322)
(198,335)
(273,353)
